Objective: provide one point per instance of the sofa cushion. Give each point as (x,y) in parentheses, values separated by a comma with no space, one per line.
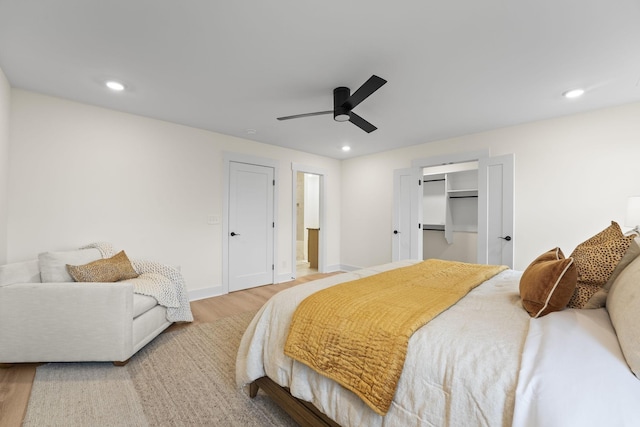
(20,272)
(113,269)
(53,265)
(142,304)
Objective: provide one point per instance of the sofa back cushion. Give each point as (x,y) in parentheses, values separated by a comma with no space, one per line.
(20,272)
(53,265)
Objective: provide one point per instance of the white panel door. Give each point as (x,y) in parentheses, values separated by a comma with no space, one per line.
(407,211)
(496,210)
(251,225)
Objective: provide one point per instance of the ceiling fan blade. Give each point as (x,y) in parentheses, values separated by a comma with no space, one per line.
(361,123)
(373,84)
(297,116)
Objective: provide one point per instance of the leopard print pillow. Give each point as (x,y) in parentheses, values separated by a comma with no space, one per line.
(113,269)
(596,259)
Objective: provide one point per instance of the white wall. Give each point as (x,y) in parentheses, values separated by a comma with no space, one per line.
(80,174)
(5,97)
(573,176)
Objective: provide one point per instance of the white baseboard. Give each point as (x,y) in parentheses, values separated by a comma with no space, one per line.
(285,277)
(202,293)
(345,267)
(216,291)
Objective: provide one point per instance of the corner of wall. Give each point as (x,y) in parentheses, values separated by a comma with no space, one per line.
(5,100)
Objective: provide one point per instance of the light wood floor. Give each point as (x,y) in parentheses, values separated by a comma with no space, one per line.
(16,381)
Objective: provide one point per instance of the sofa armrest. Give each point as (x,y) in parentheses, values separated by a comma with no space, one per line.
(66,322)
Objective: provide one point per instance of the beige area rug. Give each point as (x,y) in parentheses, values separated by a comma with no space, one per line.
(182,378)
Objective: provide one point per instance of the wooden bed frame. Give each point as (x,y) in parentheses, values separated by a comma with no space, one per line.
(302,412)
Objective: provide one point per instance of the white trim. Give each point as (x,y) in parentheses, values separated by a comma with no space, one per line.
(285,277)
(446,159)
(345,267)
(322,243)
(229,157)
(202,293)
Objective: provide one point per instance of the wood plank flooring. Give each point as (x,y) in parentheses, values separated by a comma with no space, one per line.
(16,381)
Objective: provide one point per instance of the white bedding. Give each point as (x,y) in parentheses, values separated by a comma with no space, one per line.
(461,368)
(574,374)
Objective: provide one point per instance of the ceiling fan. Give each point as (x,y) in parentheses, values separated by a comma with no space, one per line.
(344,102)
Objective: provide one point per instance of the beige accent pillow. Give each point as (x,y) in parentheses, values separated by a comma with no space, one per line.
(113,269)
(53,265)
(623,305)
(548,283)
(596,259)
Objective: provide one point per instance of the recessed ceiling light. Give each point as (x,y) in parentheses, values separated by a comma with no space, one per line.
(114,85)
(346,148)
(574,93)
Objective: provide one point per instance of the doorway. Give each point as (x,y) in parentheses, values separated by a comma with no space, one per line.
(308,243)
(492,199)
(307,223)
(450,212)
(249,227)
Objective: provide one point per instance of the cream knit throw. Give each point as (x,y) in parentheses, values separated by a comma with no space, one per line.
(160,281)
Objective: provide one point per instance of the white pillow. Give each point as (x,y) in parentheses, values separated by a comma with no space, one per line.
(20,272)
(623,304)
(53,265)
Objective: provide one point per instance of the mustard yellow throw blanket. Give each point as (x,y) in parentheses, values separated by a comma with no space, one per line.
(357,333)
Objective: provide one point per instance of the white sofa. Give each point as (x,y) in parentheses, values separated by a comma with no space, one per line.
(58,320)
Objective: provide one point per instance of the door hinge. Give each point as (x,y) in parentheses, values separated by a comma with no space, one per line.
(273,267)
(273,225)
(419,226)
(419,182)
(274,182)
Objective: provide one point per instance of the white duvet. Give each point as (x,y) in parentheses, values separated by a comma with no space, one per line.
(461,368)
(574,374)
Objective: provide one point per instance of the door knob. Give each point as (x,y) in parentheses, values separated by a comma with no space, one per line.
(396,232)
(234,234)
(507,238)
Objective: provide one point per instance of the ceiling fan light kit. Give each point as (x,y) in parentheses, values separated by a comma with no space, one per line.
(340,108)
(344,102)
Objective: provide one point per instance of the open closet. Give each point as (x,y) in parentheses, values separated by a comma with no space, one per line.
(457,207)
(450,211)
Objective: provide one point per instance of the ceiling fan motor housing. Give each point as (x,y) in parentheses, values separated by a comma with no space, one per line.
(340,109)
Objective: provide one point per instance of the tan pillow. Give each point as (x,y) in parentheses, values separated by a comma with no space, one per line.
(548,283)
(596,259)
(113,269)
(623,305)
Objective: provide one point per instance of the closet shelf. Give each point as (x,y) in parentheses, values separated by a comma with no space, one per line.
(456,194)
(433,227)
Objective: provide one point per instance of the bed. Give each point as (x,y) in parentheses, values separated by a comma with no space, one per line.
(484,361)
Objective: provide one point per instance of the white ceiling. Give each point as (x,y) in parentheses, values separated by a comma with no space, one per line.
(453,67)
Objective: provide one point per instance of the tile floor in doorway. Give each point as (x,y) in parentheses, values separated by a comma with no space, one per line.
(303,269)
